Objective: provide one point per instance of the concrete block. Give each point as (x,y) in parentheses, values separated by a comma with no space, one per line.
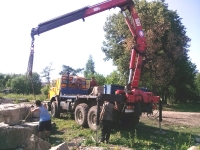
(12,113)
(6,100)
(32,125)
(12,137)
(37,144)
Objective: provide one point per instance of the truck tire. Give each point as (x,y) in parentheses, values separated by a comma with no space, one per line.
(55,110)
(92,117)
(81,111)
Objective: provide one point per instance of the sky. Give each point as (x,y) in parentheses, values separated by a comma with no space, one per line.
(71,44)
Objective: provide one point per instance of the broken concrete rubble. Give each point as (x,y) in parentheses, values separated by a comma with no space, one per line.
(6,100)
(22,100)
(12,113)
(32,125)
(18,135)
(36,143)
(14,136)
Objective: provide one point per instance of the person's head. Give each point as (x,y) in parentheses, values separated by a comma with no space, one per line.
(38,103)
(92,78)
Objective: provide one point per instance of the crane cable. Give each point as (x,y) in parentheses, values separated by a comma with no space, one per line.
(30,66)
(29,75)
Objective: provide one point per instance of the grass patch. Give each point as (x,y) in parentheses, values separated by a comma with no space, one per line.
(16,97)
(66,129)
(144,137)
(183,107)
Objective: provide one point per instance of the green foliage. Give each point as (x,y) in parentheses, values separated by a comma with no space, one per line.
(16,97)
(101,80)
(89,69)
(3,80)
(1,86)
(45,90)
(167,64)
(68,69)
(197,82)
(145,136)
(114,78)
(18,85)
(22,85)
(182,107)
(34,85)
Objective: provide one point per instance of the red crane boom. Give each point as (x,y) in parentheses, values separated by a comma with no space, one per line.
(133,93)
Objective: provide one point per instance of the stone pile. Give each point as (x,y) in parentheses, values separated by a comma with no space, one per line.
(19,128)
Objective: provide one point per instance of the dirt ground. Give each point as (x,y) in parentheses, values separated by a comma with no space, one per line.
(179,118)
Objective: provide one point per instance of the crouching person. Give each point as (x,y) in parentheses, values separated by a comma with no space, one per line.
(106,117)
(45,119)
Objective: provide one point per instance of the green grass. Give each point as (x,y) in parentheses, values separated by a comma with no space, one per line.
(16,97)
(183,107)
(66,129)
(145,136)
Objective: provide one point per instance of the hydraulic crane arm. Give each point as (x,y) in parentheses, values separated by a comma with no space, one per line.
(135,28)
(78,14)
(133,93)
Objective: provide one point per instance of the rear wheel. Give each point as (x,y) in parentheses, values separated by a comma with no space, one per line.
(92,118)
(55,110)
(81,114)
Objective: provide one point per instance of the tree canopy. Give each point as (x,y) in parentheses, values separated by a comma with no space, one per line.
(167,49)
(89,67)
(46,72)
(167,69)
(22,85)
(72,71)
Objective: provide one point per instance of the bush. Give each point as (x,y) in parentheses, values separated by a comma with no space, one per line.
(44,90)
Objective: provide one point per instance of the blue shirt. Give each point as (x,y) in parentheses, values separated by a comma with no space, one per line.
(44,114)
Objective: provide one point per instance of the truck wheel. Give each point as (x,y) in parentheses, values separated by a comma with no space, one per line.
(81,114)
(54,110)
(92,118)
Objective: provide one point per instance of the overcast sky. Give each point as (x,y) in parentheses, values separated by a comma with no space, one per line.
(73,43)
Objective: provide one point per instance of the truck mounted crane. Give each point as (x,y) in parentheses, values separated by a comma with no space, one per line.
(132,100)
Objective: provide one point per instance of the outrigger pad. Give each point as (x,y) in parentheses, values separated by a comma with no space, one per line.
(112,98)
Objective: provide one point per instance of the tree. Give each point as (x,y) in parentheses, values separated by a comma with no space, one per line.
(89,69)
(46,73)
(1,81)
(101,80)
(113,78)
(19,85)
(68,69)
(45,90)
(197,82)
(22,85)
(37,84)
(167,46)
